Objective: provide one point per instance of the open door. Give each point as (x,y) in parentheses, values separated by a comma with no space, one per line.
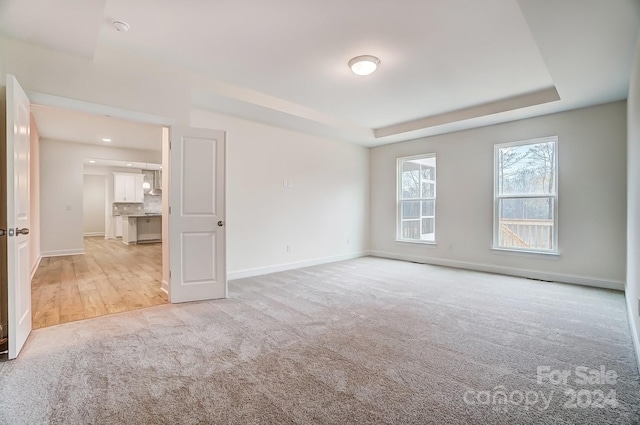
(14,218)
(196,218)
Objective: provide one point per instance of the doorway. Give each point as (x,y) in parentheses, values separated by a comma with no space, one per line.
(94,196)
(90,270)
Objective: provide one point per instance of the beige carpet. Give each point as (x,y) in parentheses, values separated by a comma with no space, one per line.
(366,341)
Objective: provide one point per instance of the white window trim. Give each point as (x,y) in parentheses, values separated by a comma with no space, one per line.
(399,201)
(497,197)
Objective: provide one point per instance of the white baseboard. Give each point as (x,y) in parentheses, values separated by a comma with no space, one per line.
(511,271)
(61,252)
(93,234)
(634,329)
(35,266)
(290,266)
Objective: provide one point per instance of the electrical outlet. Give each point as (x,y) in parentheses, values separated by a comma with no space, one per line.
(287,184)
(348,241)
(288,248)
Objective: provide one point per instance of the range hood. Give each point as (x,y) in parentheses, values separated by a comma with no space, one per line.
(153,179)
(156,186)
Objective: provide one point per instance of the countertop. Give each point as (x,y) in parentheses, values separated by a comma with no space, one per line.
(142,215)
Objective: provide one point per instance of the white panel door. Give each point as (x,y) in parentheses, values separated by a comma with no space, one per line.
(197,212)
(18,276)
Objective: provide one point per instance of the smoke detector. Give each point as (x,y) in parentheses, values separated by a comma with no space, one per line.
(120,26)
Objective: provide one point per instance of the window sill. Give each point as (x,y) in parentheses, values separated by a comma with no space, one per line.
(416,242)
(526,252)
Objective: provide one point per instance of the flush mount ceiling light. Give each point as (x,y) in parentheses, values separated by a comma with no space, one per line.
(107,140)
(120,26)
(92,161)
(364,65)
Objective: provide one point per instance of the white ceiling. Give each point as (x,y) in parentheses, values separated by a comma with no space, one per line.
(445,65)
(79,127)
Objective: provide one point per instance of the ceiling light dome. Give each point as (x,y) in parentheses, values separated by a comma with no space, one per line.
(364,65)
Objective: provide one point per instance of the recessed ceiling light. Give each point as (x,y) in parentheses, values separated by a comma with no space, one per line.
(129,165)
(92,161)
(106,139)
(364,65)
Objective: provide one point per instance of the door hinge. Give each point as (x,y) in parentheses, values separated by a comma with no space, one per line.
(169,209)
(169,274)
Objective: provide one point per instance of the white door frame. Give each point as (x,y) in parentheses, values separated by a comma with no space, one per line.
(100,109)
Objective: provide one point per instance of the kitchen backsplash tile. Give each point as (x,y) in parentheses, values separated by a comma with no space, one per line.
(153,203)
(120,208)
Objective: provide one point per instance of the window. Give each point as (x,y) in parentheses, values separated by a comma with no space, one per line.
(526,196)
(417,198)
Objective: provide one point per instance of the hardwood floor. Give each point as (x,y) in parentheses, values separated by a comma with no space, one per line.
(110,277)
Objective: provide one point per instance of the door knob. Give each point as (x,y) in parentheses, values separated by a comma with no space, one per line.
(24,231)
(3,232)
(221,223)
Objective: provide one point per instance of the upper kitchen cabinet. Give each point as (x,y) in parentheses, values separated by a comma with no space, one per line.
(128,187)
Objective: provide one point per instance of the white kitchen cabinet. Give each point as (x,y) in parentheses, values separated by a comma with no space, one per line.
(129,230)
(149,228)
(127,187)
(118,226)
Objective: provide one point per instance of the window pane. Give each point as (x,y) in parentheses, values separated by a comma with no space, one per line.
(428,229)
(526,223)
(428,190)
(527,169)
(410,209)
(428,173)
(428,208)
(411,229)
(410,180)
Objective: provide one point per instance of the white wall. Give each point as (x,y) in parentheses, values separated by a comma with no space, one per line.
(592,198)
(34,197)
(61,190)
(633,201)
(323,217)
(93,204)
